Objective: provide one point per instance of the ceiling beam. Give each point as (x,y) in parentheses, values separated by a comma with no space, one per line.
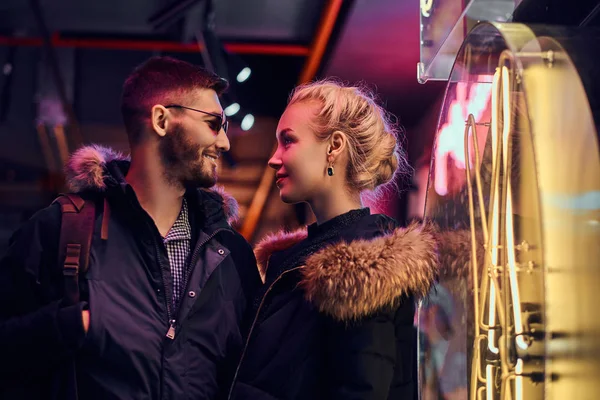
(320,41)
(155,45)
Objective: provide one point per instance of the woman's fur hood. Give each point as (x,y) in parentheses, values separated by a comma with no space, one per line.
(86,170)
(350,280)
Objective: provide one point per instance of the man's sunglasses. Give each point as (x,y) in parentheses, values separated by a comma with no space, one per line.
(221,122)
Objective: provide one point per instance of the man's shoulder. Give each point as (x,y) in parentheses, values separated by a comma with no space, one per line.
(233,238)
(218,205)
(35,237)
(45,222)
(47,218)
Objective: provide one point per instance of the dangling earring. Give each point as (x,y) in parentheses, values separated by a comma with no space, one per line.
(330,170)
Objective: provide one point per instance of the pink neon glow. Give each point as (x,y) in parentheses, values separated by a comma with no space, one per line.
(450,146)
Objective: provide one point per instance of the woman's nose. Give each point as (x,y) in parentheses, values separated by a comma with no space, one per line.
(275,162)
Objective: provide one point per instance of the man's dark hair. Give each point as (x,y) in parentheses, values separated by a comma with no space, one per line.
(161,80)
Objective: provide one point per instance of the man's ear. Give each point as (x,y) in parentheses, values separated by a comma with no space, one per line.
(159,118)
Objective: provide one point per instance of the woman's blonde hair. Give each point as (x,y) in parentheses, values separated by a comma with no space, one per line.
(374,154)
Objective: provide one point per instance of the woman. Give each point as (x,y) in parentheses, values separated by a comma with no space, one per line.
(335,318)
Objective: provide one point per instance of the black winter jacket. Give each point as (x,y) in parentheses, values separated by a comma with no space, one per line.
(125,354)
(335,320)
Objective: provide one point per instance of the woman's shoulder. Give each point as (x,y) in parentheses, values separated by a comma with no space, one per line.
(369,226)
(276,242)
(376,263)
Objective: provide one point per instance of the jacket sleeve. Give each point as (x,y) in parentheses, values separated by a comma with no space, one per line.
(36,331)
(360,358)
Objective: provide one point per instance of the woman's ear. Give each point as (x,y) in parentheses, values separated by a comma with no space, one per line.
(337,144)
(160,119)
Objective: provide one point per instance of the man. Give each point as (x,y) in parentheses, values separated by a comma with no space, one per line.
(163,300)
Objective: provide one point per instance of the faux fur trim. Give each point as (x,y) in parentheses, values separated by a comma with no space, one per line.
(85,171)
(351,280)
(230,205)
(456,254)
(273,243)
(85,168)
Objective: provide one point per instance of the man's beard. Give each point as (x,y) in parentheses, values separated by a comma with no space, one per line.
(183,161)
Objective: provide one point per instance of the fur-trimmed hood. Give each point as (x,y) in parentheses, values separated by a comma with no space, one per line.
(349,280)
(86,170)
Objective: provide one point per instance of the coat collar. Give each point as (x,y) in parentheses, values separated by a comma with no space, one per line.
(87,170)
(350,280)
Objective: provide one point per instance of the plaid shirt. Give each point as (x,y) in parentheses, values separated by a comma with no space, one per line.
(178,243)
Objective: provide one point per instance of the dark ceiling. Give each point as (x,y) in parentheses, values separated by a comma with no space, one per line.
(111,32)
(376,42)
(255,20)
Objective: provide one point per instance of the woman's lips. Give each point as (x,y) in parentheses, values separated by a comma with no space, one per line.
(280,179)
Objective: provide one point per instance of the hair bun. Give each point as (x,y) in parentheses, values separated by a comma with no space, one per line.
(387,169)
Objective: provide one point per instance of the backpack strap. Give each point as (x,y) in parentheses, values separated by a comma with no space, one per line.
(76,231)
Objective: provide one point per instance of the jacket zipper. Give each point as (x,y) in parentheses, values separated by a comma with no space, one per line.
(237,370)
(171,332)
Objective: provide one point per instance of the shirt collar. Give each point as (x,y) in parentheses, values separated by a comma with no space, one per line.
(181,229)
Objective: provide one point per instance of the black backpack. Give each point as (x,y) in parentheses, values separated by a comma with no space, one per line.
(76,230)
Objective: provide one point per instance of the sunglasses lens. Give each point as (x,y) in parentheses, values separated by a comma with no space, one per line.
(225,126)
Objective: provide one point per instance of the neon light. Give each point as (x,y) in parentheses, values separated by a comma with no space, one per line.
(519,380)
(495,83)
(450,137)
(512,270)
(495,221)
(510,240)
(489,384)
(492,320)
(494,253)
